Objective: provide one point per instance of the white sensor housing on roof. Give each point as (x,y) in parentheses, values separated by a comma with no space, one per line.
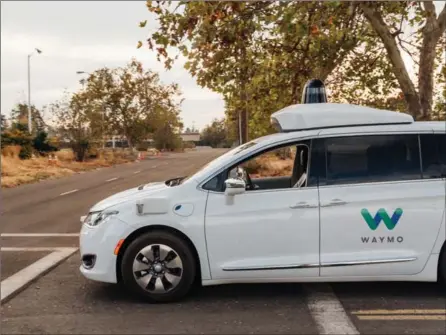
(328,115)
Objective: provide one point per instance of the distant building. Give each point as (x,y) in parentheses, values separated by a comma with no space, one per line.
(190,137)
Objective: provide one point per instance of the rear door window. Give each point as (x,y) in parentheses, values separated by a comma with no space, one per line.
(374,158)
(433,153)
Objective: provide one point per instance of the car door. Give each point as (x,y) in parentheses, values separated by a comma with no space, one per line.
(379,216)
(268,232)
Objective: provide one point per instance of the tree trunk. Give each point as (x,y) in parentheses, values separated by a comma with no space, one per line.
(431,33)
(243,122)
(399,69)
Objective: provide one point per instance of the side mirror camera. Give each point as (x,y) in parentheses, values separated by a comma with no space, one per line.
(234,186)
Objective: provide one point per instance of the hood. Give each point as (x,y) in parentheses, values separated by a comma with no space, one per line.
(130,194)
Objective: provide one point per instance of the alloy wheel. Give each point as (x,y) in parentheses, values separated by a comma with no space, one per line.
(157,268)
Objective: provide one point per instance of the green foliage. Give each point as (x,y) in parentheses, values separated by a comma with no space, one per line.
(241,49)
(19,117)
(15,136)
(166,139)
(80,149)
(258,54)
(215,134)
(25,152)
(3,123)
(129,101)
(73,118)
(41,144)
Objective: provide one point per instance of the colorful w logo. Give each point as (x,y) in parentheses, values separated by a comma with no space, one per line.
(373,222)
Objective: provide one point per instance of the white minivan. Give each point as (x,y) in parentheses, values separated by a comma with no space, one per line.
(339,193)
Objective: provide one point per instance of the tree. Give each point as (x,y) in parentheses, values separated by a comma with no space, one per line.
(259,54)
(19,117)
(129,101)
(3,123)
(240,49)
(387,20)
(215,134)
(72,116)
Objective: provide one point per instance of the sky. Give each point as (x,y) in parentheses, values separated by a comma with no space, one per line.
(84,36)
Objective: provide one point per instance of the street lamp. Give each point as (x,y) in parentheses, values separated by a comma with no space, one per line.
(103,112)
(29,89)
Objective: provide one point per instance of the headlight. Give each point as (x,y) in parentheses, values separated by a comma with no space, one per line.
(95,218)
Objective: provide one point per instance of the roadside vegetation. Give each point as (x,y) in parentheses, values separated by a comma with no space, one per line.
(128,102)
(17,171)
(259,54)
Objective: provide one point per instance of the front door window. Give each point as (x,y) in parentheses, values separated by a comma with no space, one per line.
(279,168)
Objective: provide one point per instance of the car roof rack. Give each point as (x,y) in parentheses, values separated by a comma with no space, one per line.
(333,115)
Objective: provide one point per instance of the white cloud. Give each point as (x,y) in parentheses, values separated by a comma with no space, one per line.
(77,36)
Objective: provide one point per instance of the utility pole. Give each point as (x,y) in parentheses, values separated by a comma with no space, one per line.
(29,89)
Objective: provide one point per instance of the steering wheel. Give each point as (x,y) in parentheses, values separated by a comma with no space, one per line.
(241,173)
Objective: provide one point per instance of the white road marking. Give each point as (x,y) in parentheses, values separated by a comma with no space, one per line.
(16,249)
(153,167)
(402,317)
(400,311)
(39,234)
(136,172)
(111,179)
(69,192)
(327,311)
(24,277)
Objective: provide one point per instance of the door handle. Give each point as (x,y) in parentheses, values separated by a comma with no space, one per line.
(302,204)
(335,202)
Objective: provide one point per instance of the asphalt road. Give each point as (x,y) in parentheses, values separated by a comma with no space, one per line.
(63,302)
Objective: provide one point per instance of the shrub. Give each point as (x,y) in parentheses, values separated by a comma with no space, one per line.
(93,151)
(80,149)
(41,144)
(15,137)
(26,152)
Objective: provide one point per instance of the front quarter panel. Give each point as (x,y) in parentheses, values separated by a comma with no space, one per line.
(180,207)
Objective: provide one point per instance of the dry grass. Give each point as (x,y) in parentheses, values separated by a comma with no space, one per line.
(16,171)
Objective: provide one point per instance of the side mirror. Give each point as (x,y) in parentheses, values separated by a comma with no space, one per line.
(234,186)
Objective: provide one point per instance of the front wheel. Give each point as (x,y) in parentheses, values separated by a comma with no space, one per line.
(158,266)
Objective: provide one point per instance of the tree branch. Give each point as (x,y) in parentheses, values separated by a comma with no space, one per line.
(399,68)
(442,21)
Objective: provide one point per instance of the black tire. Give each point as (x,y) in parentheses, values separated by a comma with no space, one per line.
(189,270)
(442,267)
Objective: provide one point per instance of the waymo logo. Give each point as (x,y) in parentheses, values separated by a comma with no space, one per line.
(381,215)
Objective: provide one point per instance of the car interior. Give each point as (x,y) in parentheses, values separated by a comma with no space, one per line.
(297,177)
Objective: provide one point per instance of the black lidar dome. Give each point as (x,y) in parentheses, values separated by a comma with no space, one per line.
(314,92)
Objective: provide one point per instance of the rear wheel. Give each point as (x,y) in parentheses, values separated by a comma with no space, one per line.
(442,266)
(159,267)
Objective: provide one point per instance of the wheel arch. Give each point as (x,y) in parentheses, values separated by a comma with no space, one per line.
(146,229)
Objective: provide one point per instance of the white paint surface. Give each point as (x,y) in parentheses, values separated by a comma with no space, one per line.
(111,179)
(136,172)
(327,311)
(69,192)
(25,276)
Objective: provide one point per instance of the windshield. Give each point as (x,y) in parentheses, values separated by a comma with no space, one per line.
(216,162)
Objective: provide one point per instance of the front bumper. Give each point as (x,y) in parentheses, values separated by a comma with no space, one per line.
(100,242)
